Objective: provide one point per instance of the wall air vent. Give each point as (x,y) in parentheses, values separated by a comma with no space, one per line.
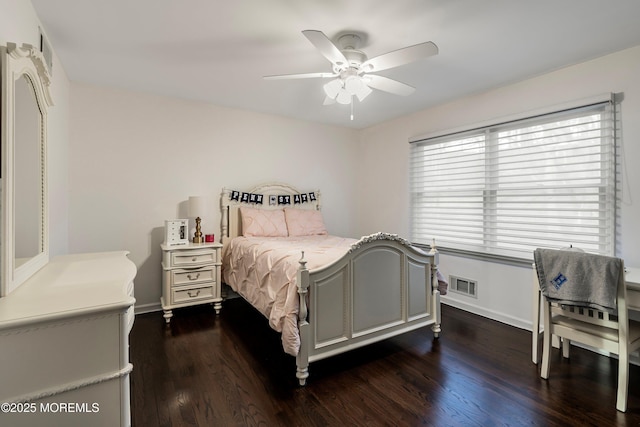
(463,286)
(47,52)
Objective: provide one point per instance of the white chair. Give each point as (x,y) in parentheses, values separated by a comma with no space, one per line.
(536,335)
(613,333)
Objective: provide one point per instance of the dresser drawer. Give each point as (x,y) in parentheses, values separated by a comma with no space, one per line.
(192,277)
(192,258)
(180,296)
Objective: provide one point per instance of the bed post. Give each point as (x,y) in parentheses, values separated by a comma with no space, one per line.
(224,209)
(436,292)
(302,359)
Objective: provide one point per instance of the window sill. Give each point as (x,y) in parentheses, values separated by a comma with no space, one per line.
(502,259)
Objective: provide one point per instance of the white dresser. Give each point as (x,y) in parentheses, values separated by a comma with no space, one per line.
(191,276)
(64,344)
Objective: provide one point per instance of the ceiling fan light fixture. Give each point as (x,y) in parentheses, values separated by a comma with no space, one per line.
(352,84)
(355,86)
(363,93)
(333,88)
(328,101)
(344,97)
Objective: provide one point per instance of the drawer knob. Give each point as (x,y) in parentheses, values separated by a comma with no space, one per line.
(193,295)
(194,259)
(193,278)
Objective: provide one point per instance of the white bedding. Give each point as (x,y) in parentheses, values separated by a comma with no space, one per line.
(263,270)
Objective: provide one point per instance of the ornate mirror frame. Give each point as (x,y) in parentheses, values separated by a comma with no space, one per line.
(22,64)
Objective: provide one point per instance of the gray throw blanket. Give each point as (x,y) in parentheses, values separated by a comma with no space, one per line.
(578,278)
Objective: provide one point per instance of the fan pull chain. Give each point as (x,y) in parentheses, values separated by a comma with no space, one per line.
(351,107)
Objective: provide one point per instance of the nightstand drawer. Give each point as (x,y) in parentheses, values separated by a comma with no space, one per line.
(180,296)
(191,277)
(192,258)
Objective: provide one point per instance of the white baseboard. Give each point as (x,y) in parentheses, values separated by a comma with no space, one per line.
(489,314)
(227,293)
(147,308)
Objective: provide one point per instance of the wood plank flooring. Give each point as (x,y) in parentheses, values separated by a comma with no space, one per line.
(230,370)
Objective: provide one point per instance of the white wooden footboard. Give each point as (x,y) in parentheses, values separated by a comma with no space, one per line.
(383,287)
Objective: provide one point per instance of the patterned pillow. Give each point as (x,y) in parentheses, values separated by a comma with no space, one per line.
(263,222)
(303,222)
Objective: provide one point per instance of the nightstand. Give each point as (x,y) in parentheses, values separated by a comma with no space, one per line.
(190,276)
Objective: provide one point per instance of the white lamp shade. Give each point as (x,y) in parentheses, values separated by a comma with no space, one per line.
(355,86)
(332,88)
(344,97)
(197,206)
(328,101)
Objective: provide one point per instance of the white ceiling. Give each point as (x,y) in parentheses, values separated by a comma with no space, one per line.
(218,51)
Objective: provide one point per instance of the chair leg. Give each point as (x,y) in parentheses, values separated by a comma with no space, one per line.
(547,335)
(535,332)
(546,343)
(566,345)
(623,381)
(546,350)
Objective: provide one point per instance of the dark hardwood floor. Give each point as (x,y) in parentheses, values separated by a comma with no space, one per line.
(230,370)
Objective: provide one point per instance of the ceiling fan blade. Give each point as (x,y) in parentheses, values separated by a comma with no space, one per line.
(300,76)
(400,57)
(386,84)
(326,47)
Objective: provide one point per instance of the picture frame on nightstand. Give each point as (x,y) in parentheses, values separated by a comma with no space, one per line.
(176,232)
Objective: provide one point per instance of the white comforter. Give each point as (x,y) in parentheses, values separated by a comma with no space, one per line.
(263,270)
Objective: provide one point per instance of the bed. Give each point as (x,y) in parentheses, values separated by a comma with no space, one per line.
(325,294)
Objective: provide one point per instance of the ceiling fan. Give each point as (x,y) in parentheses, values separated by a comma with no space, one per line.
(352,69)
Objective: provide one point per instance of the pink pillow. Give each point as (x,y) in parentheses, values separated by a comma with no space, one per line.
(303,222)
(263,222)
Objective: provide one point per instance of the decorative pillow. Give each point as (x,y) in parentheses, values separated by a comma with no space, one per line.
(303,222)
(263,222)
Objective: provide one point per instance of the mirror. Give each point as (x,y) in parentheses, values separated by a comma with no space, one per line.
(23,230)
(27,172)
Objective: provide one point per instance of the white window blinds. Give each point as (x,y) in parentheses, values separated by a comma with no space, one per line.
(504,190)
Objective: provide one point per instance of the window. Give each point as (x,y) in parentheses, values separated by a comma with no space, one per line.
(504,190)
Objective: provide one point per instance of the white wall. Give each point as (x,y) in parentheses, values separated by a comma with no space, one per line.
(19,24)
(58,162)
(504,291)
(136,158)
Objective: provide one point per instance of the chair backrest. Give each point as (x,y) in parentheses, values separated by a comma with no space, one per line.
(575,278)
(608,331)
(588,315)
(613,319)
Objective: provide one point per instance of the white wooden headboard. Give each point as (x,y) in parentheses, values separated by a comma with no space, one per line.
(230,213)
